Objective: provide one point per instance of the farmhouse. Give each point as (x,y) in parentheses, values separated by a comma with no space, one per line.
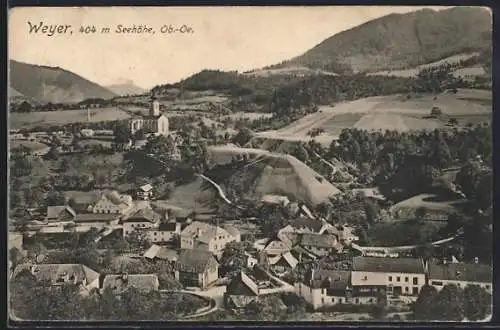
(320,245)
(60,213)
(140,220)
(201,235)
(155,123)
(61,274)
(145,192)
(196,268)
(112,202)
(460,274)
(161,252)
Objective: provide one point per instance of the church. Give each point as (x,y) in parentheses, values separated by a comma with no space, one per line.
(155,123)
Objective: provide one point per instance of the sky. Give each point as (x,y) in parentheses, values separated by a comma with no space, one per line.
(225,38)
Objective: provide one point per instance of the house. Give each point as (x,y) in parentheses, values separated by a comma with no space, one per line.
(201,235)
(142,219)
(250,286)
(320,245)
(325,287)
(96,220)
(145,192)
(400,276)
(60,274)
(283,263)
(122,282)
(196,268)
(60,213)
(460,274)
(344,233)
(251,260)
(81,201)
(164,232)
(275,200)
(278,246)
(303,225)
(113,202)
(15,241)
(87,132)
(155,123)
(161,252)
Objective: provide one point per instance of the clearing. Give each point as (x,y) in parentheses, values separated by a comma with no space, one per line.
(393,112)
(46,118)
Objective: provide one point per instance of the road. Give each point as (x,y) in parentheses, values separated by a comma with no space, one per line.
(214,294)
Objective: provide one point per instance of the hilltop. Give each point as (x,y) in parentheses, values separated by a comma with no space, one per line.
(401,41)
(126,88)
(52,84)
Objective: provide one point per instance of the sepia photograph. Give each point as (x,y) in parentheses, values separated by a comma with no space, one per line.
(260,164)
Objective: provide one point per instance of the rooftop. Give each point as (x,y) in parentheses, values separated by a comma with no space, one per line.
(51,272)
(317,240)
(461,272)
(91,217)
(195,261)
(329,279)
(389,265)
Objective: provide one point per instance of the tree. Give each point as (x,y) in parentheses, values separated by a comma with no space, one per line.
(233,258)
(122,132)
(424,307)
(301,154)
(243,136)
(138,240)
(450,303)
(477,303)
(436,112)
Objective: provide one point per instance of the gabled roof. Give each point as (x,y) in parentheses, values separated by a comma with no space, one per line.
(54,211)
(51,272)
(145,214)
(287,257)
(329,279)
(161,252)
(388,265)
(206,231)
(461,272)
(142,282)
(195,261)
(317,240)
(278,245)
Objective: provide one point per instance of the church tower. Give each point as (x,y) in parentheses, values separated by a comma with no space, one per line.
(155,108)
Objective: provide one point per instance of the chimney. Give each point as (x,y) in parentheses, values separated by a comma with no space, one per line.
(476,260)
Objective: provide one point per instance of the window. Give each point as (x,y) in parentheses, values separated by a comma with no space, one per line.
(415,290)
(406,279)
(370,300)
(340,301)
(333,300)
(365,278)
(323,291)
(487,287)
(407,289)
(155,233)
(438,283)
(356,301)
(390,278)
(398,279)
(415,280)
(322,300)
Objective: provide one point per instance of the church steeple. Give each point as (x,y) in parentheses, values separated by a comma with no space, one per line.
(155,107)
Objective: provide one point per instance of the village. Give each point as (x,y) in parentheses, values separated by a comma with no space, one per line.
(319,261)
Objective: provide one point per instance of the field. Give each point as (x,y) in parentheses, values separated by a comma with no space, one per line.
(45,118)
(414,71)
(292,70)
(394,112)
(248,115)
(31,145)
(429,202)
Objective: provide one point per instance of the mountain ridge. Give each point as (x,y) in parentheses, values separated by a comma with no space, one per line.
(398,41)
(46,84)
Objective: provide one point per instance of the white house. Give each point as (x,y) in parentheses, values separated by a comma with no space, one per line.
(113,202)
(204,236)
(460,274)
(325,287)
(400,276)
